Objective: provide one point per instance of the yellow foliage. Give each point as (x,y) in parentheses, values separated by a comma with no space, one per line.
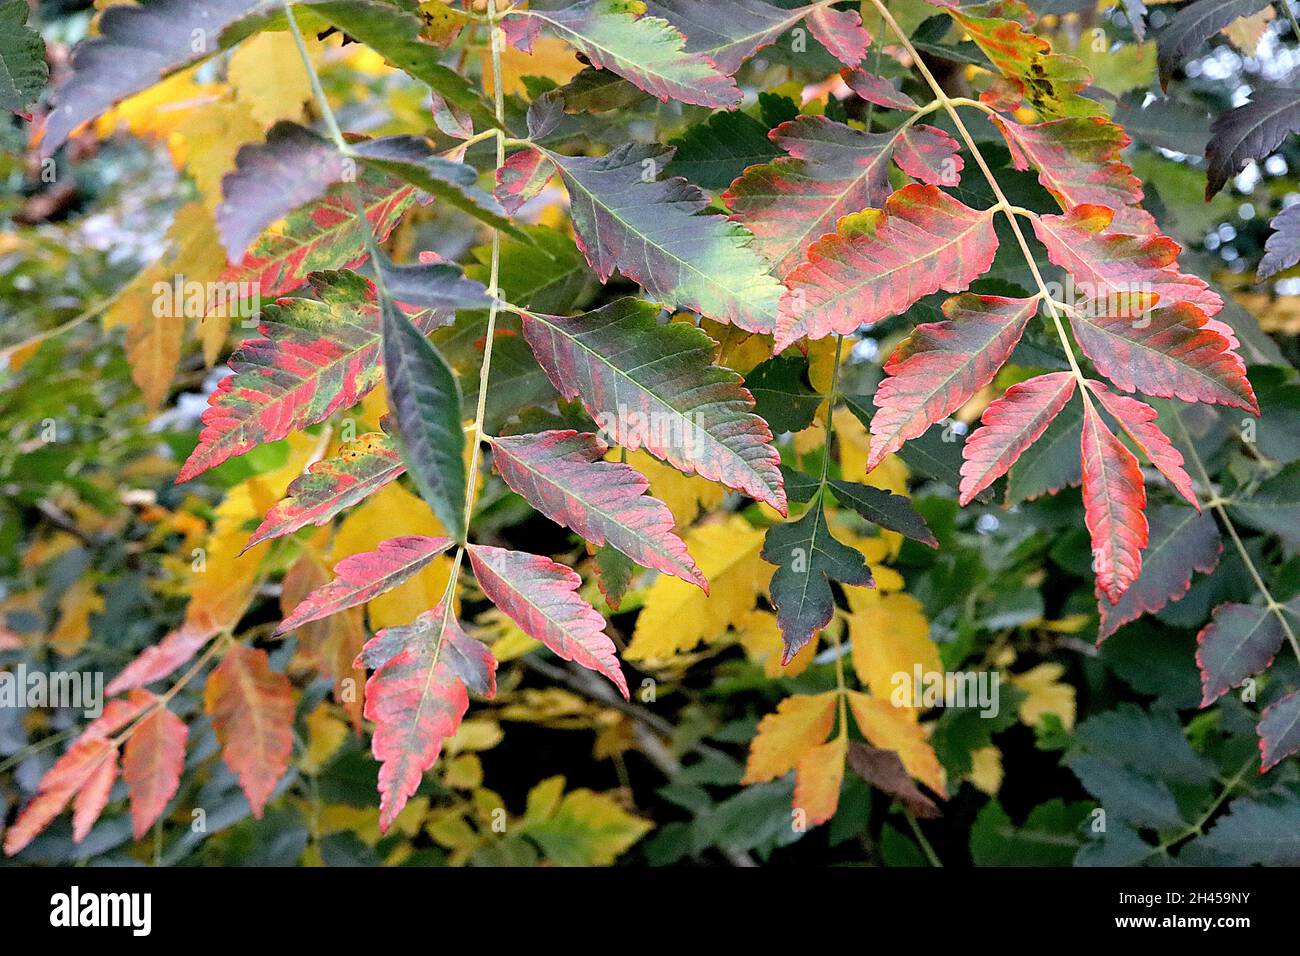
(799,723)
(1047,695)
(894,728)
(75,607)
(269,78)
(890,636)
(817,780)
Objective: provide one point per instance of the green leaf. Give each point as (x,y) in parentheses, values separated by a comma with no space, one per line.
(425,403)
(23,73)
(782,395)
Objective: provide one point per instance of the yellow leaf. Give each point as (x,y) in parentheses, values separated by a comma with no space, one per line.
(75,607)
(585,829)
(894,728)
(986,770)
(325,735)
(800,723)
(153,346)
(269,78)
(1047,695)
(475,734)
(760,636)
(158,110)
(1245,32)
(687,496)
(677,615)
(463,773)
(390,512)
(209,139)
(890,637)
(551,58)
(817,780)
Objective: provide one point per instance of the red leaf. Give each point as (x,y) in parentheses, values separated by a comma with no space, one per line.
(1279,731)
(317,357)
(1181,542)
(251,708)
(522,177)
(361,577)
(1010,425)
(362,467)
(1170,353)
(883,261)
(1078,163)
(831,171)
(159,660)
(1113,501)
(1138,419)
(416,701)
(76,769)
(563,474)
(1240,640)
(93,795)
(152,763)
(541,597)
(1116,268)
(877,90)
(942,364)
(841,32)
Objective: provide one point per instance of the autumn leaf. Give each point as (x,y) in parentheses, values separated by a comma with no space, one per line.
(800,723)
(1240,640)
(1114,502)
(153,760)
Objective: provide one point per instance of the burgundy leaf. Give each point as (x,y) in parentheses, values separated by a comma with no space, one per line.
(1240,640)
(1138,419)
(1114,499)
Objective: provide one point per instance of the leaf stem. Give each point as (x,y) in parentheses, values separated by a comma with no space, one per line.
(920,838)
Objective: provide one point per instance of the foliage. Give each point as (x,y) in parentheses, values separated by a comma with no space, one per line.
(648,369)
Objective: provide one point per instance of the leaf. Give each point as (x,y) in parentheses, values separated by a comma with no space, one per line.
(398,35)
(646,50)
(877,90)
(136,47)
(840,31)
(652,386)
(71,773)
(1282,248)
(151,765)
(416,701)
(1279,731)
(1117,269)
(800,723)
(942,365)
(1190,28)
(807,558)
(164,658)
(883,261)
(23,73)
(884,771)
(895,730)
(1181,542)
(1138,420)
(1114,499)
(782,397)
(650,231)
(541,597)
(521,178)
(1078,162)
(432,284)
(424,400)
(362,577)
(1240,640)
(563,474)
(818,779)
(153,347)
(1248,133)
(1255,831)
(676,615)
(251,708)
(614,572)
(1274,506)
(829,171)
(584,829)
(1050,463)
(1010,425)
(890,511)
(728,32)
(1170,353)
(315,358)
(321,236)
(332,485)
(713,153)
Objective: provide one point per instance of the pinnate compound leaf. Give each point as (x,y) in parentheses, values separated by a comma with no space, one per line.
(942,365)
(363,466)
(1240,640)
(652,386)
(1078,162)
(830,170)
(541,597)
(316,356)
(1282,249)
(251,707)
(883,261)
(564,475)
(1181,542)
(1279,731)
(645,50)
(807,558)
(416,700)
(1010,425)
(136,47)
(23,73)
(362,577)
(650,231)
(1248,133)
(1191,27)
(151,765)
(424,400)
(1138,420)
(1114,501)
